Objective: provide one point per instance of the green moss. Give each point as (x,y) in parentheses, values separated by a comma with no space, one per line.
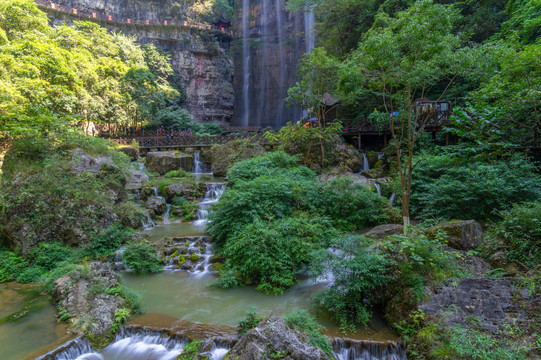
(181,260)
(194,257)
(175,254)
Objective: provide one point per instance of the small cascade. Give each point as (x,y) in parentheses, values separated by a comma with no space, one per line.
(376,185)
(309,28)
(167,207)
(189,253)
(147,223)
(73,349)
(366,165)
(345,349)
(380,155)
(213,194)
(200,167)
(392,199)
(119,259)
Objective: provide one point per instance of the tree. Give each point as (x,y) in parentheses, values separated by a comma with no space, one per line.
(402,59)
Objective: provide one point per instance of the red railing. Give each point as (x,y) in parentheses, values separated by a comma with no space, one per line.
(163,142)
(112,17)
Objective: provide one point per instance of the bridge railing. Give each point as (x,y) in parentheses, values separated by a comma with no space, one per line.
(112,17)
(163,141)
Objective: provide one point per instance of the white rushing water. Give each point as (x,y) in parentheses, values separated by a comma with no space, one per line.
(213,194)
(167,207)
(366,165)
(200,167)
(245,63)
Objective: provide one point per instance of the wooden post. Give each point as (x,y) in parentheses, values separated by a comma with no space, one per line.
(447,139)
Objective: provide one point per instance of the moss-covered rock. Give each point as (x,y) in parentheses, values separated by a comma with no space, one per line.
(194,257)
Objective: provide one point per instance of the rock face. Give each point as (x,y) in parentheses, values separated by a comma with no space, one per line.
(165,161)
(94,312)
(155,206)
(200,58)
(462,235)
(136,179)
(131,151)
(188,191)
(225,155)
(273,337)
(493,302)
(381,231)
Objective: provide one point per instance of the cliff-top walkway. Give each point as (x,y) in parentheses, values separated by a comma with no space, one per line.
(105,19)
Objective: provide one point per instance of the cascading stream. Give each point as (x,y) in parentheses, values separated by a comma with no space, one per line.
(213,194)
(166,220)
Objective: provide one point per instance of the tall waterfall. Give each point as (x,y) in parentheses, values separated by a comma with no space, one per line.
(273,41)
(245,63)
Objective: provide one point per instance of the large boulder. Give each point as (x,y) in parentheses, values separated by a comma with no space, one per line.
(493,302)
(225,155)
(129,150)
(135,180)
(461,235)
(165,161)
(187,191)
(90,309)
(155,206)
(274,337)
(381,231)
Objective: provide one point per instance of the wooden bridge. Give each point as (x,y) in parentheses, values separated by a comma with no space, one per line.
(174,142)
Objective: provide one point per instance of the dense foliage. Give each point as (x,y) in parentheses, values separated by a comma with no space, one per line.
(354,273)
(276,212)
(484,186)
(55,76)
(141,258)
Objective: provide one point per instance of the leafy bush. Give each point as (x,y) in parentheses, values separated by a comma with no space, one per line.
(304,322)
(108,240)
(484,186)
(251,320)
(180,173)
(191,350)
(520,231)
(269,254)
(350,204)
(356,273)
(141,258)
(48,255)
(11,266)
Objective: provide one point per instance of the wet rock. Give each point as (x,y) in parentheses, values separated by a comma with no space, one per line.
(461,235)
(499,259)
(217,259)
(273,336)
(135,180)
(165,161)
(381,231)
(129,150)
(90,311)
(155,206)
(188,191)
(493,302)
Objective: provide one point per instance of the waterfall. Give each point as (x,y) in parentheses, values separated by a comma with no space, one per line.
(376,185)
(366,165)
(245,63)
(147,223)
(282,76)
(391,199)
(345,349)
(213,194)
(309,36)
(200,167)
(167,207)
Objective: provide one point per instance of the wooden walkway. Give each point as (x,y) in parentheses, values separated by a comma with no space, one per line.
(97,16)
(163,142)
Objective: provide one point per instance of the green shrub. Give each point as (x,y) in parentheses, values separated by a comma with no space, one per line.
(11,266)
(48,255)
(350,204)
(180,173)
(520,231)
(452,187)
(251,320)
(269,254)
(356,273)
(108,240)
(304,322)
(191,350)
(142,259)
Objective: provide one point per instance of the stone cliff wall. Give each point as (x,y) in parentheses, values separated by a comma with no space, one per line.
(200,57)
